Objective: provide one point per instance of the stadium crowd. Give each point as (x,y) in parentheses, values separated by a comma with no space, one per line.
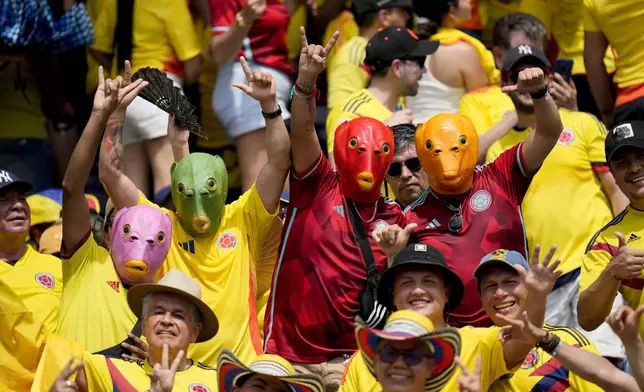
(322,195)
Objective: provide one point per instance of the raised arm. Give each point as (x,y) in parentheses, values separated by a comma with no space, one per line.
(120,188)
(625,322)
(539,143)
(75,211)
(270,181)
(539,282)
(595,44)
(306,147)
(178,139)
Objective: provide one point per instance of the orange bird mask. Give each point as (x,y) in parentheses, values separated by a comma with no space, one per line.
(448,146)
(363,151)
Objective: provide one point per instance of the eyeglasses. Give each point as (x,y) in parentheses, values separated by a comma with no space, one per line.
(388,354)
(455,223)
(395,169)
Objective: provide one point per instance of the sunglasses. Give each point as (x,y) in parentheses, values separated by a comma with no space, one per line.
(389,355)
(455,223)
(395,169)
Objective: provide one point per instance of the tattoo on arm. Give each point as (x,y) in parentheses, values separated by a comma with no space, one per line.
(113,143)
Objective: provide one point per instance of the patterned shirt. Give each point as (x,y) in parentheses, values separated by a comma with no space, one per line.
(491,216)
(320,272)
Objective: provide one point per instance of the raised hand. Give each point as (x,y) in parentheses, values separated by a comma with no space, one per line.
(520,329)
(469,382)
(261,85)
(162,376)
(627,262)
(542,276)
(625,322)
(393,238)
(63,382)
(530,80)
(129,90)
(140,350)
(313,57)
(106,97)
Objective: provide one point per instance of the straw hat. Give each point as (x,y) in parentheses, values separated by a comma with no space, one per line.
(176,282)
(231,372)
(444,343)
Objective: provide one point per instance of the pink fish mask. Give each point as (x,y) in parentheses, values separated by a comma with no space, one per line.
(141,238)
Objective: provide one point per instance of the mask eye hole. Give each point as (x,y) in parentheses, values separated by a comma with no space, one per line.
(126,229)
(353,143)
(212,185)
(463,140)
(181,188)
(160,237)
(429,145)
(386,149)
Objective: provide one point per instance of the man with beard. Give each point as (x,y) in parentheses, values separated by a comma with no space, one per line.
(405,176)
(321,273)
(614,258)
(395,58)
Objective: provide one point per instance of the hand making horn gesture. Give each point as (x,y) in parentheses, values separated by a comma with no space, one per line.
(261,85)
(313,57)
(530,80)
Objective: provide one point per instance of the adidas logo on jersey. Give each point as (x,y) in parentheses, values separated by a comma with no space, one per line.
(188,246)
(633,237)
(433,224)
(339,210)
(115,285)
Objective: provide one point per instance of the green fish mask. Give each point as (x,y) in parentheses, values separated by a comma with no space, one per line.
(199,190)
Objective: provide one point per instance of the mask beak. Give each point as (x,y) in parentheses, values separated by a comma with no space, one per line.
(136,268)
(201,223)
(365,181)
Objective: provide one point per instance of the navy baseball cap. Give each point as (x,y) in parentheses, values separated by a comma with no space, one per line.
(627,134)
(10,180)
(519,55)
(502,256)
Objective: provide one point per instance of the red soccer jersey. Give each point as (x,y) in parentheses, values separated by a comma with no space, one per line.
(491,220)
(320,272)
(266,40)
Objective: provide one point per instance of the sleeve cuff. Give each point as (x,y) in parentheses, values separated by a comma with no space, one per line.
(68,253)
(599,166)
(521,162)
(218,30)
(308,172)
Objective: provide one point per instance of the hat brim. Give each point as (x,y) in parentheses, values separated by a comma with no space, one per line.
(424,49)
(637,143)
(231,371)
(490,263)
(452,280)
(209,321)
(21,185)
(530,59)
(445,344)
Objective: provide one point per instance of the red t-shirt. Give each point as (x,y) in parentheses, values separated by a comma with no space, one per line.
(320,272)
(266,41)
(491,220)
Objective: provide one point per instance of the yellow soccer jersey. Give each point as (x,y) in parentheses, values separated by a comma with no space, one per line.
(540,372)
(93,310)
(110,374)
(604,246)
(474,341)
(37,279)
(344,74)
(621,23)
(359,104)
(485,107)
(224,265)
(567,186)
(264,270)
(564,20)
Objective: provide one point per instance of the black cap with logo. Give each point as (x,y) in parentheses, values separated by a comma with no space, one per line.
(10,180)
(520,55)
(421,256)
(396,43)
(627,134)
(366,6)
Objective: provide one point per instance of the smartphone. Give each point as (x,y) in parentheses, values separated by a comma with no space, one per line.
(564,68)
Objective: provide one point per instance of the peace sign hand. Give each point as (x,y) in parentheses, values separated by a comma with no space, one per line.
(261,85)
(542,275)
(313,57)
(469,382)
(63,382)
(162,376)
